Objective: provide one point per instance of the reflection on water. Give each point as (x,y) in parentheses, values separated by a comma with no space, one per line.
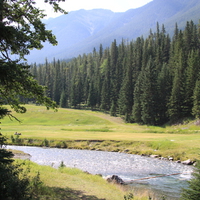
(127,166)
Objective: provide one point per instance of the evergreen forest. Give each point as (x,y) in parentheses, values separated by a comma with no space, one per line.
(150,80)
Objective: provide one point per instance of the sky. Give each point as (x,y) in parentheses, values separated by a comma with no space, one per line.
(73,5)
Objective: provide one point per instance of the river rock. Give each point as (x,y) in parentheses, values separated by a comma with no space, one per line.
(163,158)
(154,156)
(115,179)
(171,159)
(126,150)
(188,162)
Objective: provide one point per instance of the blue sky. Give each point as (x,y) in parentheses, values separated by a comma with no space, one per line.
(114,5)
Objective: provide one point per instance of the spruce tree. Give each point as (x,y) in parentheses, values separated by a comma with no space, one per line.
(137,109)
(193,66)
(106,87)
(149,94)
(114,73)
(63,100)
(125,101)
(113,109)
(164,85)
(178,66)
(92,96)
(196,100)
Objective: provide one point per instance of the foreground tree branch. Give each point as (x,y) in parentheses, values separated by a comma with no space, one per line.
(21,30)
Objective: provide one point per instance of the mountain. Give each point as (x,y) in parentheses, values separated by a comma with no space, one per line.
(81,31)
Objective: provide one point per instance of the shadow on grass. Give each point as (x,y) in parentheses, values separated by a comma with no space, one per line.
(67,194)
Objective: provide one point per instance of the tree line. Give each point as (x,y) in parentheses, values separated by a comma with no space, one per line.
(149,80)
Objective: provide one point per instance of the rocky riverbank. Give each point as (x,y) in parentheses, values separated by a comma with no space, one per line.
(136,148)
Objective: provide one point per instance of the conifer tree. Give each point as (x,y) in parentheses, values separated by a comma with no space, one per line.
(106,87)
(176,100)
(100,52)
(149,94)
(125,101)
(56,81)
(196,100)
(137,108)
(63,100)
(114,73)
(48,79)
(164,86)
(113,109)
(193,66)
(92,96)
(120,68)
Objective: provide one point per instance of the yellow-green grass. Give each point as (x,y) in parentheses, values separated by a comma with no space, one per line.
(181,141)
(72,183)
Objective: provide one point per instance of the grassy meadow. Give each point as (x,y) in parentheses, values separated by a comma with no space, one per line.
(84,129)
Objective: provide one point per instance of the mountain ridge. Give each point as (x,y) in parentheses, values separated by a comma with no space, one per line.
(81,31)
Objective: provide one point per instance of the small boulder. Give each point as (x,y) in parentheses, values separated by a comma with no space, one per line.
(171,159)
(115,179)
(154,156)
(188,162)
(126,150)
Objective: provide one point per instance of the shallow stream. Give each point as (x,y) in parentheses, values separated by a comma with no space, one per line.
(126,166)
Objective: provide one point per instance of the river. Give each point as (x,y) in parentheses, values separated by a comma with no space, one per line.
(126,166)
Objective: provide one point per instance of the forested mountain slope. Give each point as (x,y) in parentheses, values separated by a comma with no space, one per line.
(80,31)
(150,80)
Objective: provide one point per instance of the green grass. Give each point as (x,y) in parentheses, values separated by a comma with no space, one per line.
(84,129)
(72,183)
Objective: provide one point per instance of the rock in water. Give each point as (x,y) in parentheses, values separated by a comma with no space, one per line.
(115,179)
(188,162)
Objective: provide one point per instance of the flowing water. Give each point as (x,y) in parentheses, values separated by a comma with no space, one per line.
(126,166)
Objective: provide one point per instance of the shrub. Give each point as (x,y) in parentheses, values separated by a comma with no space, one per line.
(64,144)
(45,143)
(193,191)
(62,165)
(130,196)
(15,182)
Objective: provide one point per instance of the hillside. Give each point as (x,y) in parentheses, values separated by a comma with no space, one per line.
(80,31)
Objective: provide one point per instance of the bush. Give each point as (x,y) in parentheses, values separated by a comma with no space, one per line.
(16,139)
(15,182)
(62,165)
(193,191)
(45,143)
